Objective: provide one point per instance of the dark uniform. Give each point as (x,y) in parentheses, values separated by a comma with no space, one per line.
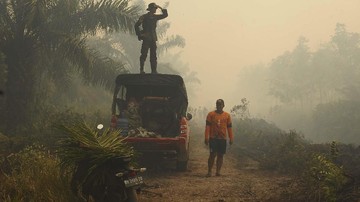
(148,35)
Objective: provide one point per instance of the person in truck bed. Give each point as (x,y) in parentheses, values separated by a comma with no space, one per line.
(133,113)
(218,122)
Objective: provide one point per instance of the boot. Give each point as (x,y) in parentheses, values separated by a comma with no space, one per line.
(153,71)
(142,67)
(153,68)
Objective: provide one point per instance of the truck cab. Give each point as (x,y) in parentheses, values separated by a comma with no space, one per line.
(151,111)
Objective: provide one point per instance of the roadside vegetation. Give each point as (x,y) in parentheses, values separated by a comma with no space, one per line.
(42,172)
(33,174)
(321,172)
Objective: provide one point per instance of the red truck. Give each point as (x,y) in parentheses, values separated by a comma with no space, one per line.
(151,110)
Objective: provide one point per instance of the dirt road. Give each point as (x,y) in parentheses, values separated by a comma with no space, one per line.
(241,180)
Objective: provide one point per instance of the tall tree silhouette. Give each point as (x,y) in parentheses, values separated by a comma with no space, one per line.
(289,74)
(47,39)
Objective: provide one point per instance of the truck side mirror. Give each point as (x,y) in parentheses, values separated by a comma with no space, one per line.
(188,116)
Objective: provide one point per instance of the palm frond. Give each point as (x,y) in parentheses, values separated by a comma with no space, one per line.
(95,69)
(109,15)
(170,42)
(82,143)
(4,19)
(104,71)
(161,30)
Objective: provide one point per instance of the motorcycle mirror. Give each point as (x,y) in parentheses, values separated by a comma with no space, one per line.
(100,126)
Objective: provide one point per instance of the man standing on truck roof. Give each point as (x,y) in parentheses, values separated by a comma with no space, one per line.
(218,122)
(148,35)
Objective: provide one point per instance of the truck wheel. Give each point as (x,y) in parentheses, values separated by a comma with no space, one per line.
(182,165)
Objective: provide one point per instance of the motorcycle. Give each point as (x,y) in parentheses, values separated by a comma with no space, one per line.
(114,181)
(132,182)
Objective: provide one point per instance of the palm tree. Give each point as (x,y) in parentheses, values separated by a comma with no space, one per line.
(47,39)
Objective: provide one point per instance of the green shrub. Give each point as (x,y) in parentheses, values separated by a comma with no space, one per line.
(273,148)
(33,174)
(323,180)
(337,121)
(286,154)
(324,172)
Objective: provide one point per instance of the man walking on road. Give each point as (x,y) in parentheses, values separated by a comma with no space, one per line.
(148,35)
(218,124)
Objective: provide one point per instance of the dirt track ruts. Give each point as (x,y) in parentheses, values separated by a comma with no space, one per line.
(241,180)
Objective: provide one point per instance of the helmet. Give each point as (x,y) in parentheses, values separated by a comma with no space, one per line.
(151,6)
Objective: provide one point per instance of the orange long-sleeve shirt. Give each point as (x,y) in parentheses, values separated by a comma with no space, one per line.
(217,125)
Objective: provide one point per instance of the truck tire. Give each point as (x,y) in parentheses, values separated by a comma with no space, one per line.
(183,165)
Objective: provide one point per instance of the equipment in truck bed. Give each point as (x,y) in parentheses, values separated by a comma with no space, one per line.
(154,106)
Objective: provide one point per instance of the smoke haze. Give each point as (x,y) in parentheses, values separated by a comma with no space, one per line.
(224,36)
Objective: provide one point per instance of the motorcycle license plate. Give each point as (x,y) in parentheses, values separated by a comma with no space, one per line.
(133,181)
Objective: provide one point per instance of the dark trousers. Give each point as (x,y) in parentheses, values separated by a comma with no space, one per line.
(146,45)
(217,145)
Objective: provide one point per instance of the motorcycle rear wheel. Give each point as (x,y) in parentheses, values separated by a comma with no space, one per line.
(131,195)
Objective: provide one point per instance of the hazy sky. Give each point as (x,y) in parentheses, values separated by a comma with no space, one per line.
(224,36)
